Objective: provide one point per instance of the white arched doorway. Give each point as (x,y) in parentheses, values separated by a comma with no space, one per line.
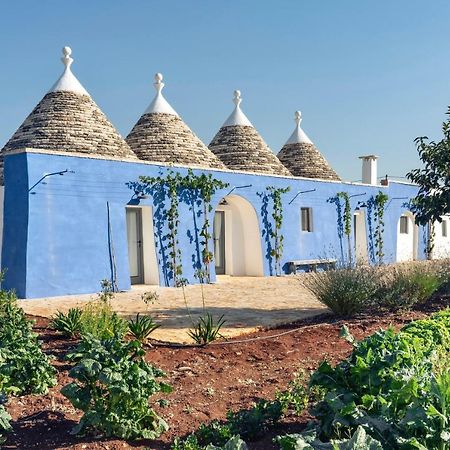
(237,238)
(407,238)
(360,237)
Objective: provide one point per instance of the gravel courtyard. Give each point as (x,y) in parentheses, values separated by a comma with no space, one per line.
(248,303)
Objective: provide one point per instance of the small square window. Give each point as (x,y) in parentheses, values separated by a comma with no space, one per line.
(444,228)
(404,225)
(306,216)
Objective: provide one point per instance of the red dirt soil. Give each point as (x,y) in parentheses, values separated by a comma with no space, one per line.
(207,381)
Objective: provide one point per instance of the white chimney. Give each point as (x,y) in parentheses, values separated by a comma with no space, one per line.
(369,169)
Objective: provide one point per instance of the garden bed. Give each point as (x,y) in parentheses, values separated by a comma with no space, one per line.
(207,381)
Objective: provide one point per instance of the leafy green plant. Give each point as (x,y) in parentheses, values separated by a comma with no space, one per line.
(347,222)
(100,321)
(24,368)
(69,324)
(141,327)
(5,419)
(296,396)
(191,443)
(309,441)
(346,291)
(390,387)
(112,387)
(380,201)
(206,330)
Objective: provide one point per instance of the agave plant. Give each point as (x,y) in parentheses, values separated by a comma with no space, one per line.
(141,327)
(206,330)
(69,324)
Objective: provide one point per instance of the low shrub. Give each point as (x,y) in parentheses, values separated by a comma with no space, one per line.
(100,321)
(403,286)
(346,291)
(141,327)
(24,368)
(206,330)
(112,387)
(69,324)
(5,418)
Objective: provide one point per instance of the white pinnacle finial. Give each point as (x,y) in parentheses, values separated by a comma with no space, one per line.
(66,59)
(237,117)
(298,136)
(158,82)
(237,98)
(159,103)
(67,81)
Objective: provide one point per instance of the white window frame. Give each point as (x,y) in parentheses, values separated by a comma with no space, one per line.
(405,221)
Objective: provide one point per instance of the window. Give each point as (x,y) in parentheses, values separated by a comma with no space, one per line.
(404,225)
(306,216)
(444,228)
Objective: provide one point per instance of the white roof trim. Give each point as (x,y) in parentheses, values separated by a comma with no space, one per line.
(68,82)
(298,136)
(237,117)
(159,103)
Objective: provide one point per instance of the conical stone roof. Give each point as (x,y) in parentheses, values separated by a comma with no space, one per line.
(240,147)
(68,120)
(161,136)
(302,157)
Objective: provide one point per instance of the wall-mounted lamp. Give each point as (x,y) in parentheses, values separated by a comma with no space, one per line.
(300,192)
(61,172)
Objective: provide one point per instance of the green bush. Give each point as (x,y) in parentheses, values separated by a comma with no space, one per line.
(401,287)
(24,368)
(69,324)
(141,327)
(391,387)
(100,321)
(191,443)
(5,419)
(112,386)
(346,291)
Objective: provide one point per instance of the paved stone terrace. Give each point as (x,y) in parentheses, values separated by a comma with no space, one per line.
(247,302)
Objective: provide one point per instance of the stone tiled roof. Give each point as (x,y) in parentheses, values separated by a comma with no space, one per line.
(69,122)
(240,147)
(163,137)
(304,160)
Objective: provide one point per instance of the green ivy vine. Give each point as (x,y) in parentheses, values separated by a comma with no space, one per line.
(347,221)
(430,240)
(206,186)
(275,232)
(380,201)
(171,183)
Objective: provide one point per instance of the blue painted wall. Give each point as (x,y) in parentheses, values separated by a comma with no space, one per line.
(60,237)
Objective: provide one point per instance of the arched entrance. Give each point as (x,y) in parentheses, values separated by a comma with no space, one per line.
(237,238)
(407,238)
(360,236)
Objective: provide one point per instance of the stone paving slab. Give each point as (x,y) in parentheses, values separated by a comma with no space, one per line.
(248,303)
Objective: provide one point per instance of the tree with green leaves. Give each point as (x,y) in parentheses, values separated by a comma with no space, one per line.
(433,198)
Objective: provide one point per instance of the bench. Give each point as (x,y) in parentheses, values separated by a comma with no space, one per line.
(311,264)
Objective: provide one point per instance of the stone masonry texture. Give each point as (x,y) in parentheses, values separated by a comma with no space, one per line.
(242,148)
(68,122)
(304,160)
(162,137)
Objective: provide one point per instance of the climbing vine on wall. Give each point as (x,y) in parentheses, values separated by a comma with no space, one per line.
(206,186)
(429,247)
(346,221)
(170,183)
(380,201)
(275,232)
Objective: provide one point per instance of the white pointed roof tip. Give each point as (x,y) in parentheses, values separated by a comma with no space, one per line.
(298,136)
(159,103)
(237,117)
(68,81)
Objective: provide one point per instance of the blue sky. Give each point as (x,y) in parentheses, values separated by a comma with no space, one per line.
(368,76)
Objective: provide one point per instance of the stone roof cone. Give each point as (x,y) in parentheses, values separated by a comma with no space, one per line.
(302,157)
(160,135)
(241,147)
(68,120)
